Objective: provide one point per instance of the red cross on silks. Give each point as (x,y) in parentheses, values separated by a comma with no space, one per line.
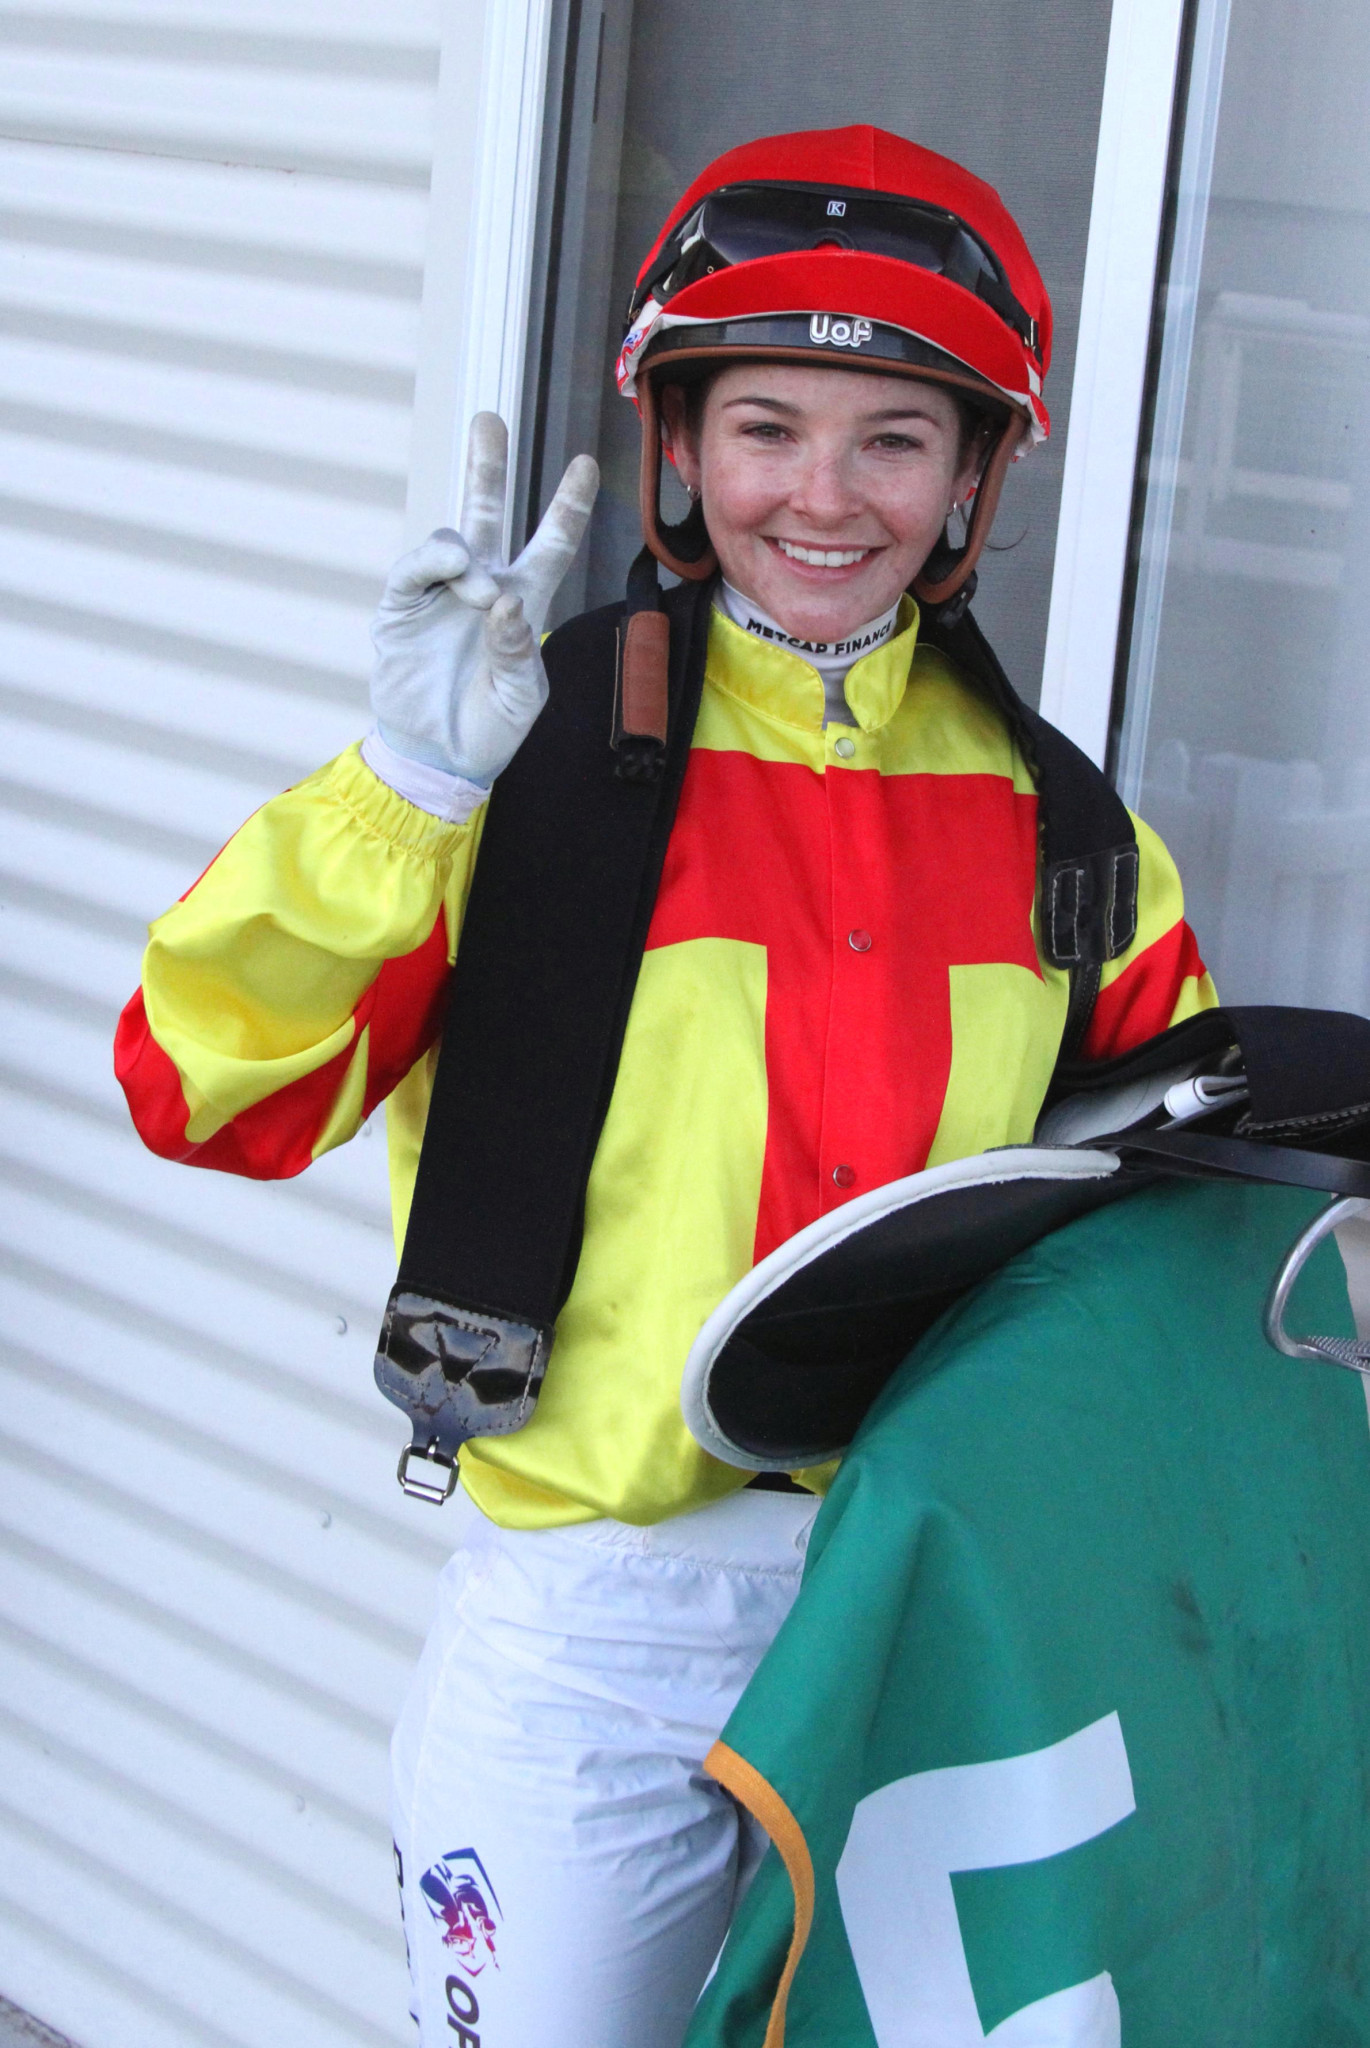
(865,890)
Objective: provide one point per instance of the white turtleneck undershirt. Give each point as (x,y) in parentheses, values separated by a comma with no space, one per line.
(832,658)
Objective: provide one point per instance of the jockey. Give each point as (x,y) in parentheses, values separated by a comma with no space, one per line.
(839,339)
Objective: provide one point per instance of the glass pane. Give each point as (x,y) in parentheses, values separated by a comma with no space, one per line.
(1246,739)
(1014,93)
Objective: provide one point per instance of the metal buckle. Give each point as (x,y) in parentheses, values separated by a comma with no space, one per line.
(427,1489)
(1327,1350)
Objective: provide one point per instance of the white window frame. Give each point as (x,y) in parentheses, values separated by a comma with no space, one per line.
(491,118)
(1184,268)
(1135,123)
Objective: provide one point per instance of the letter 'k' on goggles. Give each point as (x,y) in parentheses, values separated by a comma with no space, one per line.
(740,223)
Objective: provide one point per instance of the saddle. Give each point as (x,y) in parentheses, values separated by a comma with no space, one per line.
(784,1370)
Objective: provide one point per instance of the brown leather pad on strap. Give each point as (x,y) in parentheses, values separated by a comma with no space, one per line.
(644,654)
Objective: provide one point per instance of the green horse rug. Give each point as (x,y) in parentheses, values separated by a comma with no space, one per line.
(1066,1742)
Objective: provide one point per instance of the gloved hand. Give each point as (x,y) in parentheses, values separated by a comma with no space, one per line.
(458,678)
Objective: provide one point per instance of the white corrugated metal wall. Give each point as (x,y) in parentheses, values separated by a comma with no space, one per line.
(211,1590)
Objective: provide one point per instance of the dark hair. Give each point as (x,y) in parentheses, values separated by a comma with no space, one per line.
(981,420)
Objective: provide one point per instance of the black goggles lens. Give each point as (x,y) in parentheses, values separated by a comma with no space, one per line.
(739,223)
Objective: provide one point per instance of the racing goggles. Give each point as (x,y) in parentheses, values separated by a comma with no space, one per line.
(739,223)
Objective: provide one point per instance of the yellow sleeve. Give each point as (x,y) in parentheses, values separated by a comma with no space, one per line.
(300,979)
(1160,980)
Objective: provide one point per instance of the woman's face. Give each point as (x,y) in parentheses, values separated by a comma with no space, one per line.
(824,490)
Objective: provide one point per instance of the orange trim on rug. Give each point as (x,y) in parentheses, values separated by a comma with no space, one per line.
(760,1797)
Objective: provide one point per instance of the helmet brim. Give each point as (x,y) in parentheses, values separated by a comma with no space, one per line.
(789,337)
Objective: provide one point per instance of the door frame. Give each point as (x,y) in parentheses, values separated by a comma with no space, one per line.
(1132,160)
(482,227)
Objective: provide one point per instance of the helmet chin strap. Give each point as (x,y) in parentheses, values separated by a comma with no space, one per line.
(949,572)
(686,549)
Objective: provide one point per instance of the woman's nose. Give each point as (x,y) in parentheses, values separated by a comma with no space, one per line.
(823,491)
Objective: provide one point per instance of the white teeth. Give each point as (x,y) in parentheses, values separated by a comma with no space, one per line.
(822,558)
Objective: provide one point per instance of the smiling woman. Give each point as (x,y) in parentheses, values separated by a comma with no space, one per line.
(824,490)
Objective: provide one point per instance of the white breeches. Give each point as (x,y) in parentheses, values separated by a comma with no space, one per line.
(568,1869)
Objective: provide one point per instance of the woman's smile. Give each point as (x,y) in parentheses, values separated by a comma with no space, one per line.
(815,555)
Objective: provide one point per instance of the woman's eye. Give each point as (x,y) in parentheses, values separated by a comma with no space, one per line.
(764,430)
(896,442)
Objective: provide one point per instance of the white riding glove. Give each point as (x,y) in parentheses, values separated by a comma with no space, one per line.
(458,676)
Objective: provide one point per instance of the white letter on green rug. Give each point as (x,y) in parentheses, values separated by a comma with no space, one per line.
(894,1882)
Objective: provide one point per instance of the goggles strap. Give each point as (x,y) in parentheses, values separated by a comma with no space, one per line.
(991,287)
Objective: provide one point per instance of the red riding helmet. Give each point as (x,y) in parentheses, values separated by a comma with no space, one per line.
(848,246)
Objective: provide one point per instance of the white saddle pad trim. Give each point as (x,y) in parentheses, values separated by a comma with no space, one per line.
(984,1169)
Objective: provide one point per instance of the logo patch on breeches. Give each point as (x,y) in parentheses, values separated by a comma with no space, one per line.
(462,1900)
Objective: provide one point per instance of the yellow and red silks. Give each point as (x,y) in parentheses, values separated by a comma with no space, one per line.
(842,984)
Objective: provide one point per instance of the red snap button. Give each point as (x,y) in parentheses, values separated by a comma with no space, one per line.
(845,1176)
(859,940)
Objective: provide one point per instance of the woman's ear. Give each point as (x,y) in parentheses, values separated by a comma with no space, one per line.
(677,438)
(967,478)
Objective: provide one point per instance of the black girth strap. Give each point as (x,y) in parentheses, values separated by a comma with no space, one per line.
(570,861)
(1303,1117)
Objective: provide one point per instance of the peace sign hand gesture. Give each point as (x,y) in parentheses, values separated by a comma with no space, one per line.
(458,676)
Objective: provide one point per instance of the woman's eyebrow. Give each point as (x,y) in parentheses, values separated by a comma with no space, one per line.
(901,412)
(771,404)
(866,419)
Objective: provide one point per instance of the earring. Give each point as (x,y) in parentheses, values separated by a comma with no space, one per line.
(693,490)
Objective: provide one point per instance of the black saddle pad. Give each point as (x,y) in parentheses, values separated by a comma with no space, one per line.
(786,1366)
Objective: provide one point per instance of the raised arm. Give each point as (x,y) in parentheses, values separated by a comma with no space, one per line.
(302,977)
